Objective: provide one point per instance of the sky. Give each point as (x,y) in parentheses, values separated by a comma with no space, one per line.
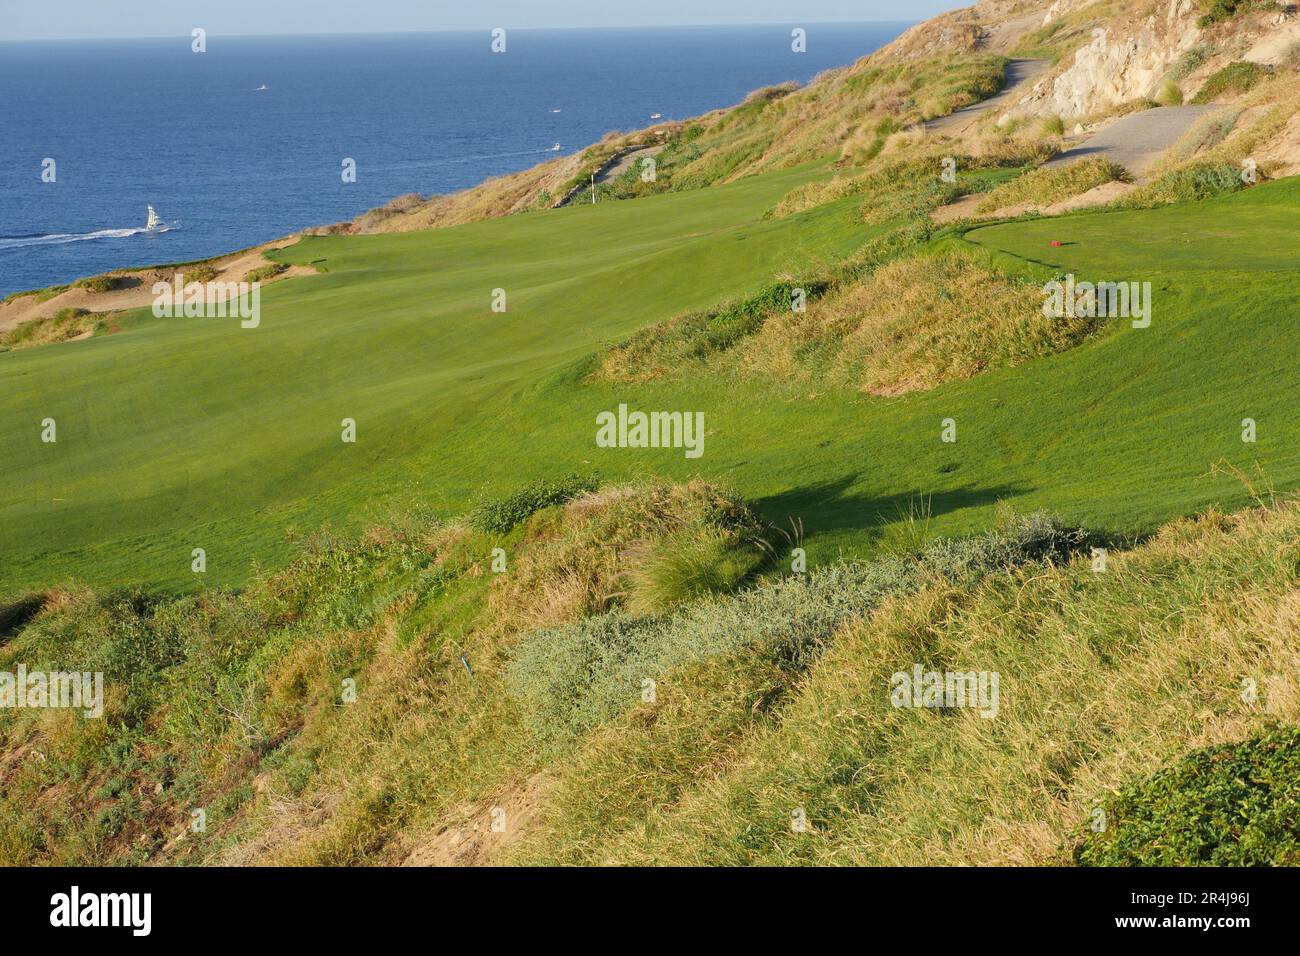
(98,19)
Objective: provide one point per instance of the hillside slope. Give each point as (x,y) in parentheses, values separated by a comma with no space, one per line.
(377,702)
(1124,430)
(1098,58)
(482,633)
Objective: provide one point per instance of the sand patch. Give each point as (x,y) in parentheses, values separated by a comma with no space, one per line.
(964,208)
(137,287)
(1281,155)
(470,840)
(1275,45)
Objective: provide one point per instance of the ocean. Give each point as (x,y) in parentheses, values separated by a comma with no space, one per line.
(245,143)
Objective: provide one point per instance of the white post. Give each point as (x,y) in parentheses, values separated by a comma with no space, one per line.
(593,189)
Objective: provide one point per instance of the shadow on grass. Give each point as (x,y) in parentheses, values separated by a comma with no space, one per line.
(831,506)
(14,615)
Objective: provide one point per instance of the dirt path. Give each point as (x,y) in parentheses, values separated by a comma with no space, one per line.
(1137,140)
(624,162)
(1003,36)
(614,166)
(1019,72)
(137,287)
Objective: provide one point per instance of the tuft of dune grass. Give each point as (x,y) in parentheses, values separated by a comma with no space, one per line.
(1053,184)
(235,701)
(914,323)
(1105,677)
(66,324)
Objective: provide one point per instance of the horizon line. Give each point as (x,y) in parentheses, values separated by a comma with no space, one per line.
(533,29)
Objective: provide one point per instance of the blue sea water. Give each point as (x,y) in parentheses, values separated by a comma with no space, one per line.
(229,165)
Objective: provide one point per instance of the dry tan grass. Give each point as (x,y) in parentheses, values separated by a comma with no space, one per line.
(427,749)
(1104,678)
(499,196)
(915,323)
(537,187)
(1262,125)
(1049,186)
(820,192)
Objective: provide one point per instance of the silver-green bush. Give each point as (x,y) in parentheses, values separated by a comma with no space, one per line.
(571,678)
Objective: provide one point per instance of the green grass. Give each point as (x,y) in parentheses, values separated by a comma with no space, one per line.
(1231,805)
(196,433)
(179,434)
(500,515)
(1239,77)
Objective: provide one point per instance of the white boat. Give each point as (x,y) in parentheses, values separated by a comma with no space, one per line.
(260,88)
(555,148)
(656,115)
(153,224)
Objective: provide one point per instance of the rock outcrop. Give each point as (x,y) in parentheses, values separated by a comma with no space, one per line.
(1121,63)
(1110,57)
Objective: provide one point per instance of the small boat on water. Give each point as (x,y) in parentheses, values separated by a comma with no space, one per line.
(260,88)
(656,115)
(555,148)
(152,223)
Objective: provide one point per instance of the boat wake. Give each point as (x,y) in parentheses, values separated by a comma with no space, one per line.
(58,238)
(153,227)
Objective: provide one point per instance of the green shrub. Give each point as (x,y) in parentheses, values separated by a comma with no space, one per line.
(1190,62)
(888,126)
(1217,11)
(143,637)
(571,678)
(500,516)
(1232,805)
(266,272)
(201,274)
(1238,77)
(1189,183)
(100,283)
